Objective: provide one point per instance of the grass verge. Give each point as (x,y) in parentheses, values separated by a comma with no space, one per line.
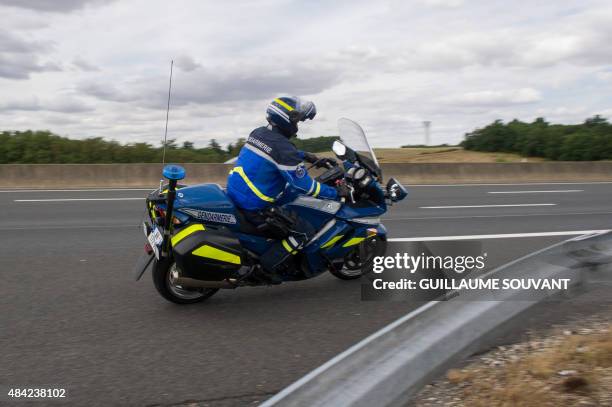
(567,368)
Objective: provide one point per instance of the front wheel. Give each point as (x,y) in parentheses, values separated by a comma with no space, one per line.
(359,261)
(164,274)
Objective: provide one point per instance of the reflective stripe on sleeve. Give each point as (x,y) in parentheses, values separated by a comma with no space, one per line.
(314,183)
(317,190)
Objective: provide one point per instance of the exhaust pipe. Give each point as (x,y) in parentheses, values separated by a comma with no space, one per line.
(193,283)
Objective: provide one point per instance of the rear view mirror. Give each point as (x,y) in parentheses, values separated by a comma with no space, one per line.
(396,191)
(339,149)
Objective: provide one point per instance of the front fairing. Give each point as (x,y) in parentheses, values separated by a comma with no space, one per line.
(349,212)
(353,136)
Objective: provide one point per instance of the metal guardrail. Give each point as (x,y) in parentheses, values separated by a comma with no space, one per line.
(390,366)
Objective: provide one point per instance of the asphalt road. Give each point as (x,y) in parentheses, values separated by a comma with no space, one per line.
(71,317)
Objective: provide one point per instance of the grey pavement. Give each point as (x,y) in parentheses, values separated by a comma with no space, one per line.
(70,315)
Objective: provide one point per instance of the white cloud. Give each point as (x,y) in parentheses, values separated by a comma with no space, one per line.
(83,65)
(442,3)
(33,104)
(494,97)
(214,85)
(58,6)
(100,68)
(187,63)
(19,57)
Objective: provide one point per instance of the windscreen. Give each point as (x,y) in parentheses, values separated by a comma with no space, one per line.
(353,136)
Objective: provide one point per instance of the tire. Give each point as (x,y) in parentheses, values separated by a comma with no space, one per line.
(176,294)
(353,265)
(344,274)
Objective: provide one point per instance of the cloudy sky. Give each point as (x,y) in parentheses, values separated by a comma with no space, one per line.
(85,68)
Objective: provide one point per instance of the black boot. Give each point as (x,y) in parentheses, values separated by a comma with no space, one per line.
(279,257)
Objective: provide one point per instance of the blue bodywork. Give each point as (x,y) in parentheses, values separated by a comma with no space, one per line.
(209,204)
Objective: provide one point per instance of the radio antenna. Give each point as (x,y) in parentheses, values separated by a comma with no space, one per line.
(167,114)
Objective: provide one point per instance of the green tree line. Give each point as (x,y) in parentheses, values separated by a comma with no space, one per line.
(44,147)
(315,144)
(588,141)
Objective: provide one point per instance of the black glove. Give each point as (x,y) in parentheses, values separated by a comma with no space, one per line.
(345,191)
(310,157)
(319,162)
(326,163)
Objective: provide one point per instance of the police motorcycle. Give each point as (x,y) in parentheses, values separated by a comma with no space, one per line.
(198,241)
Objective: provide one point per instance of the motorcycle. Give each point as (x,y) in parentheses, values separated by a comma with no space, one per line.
(198,241)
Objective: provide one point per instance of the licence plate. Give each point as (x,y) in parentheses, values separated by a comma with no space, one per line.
(155,239)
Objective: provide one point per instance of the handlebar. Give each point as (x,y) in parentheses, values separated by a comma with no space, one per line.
(323,163)
(360,179)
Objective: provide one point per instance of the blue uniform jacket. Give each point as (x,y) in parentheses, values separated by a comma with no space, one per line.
(267,163)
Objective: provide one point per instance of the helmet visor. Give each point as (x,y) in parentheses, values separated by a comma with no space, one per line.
(307,110)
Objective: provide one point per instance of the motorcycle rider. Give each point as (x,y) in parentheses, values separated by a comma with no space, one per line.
(267,164)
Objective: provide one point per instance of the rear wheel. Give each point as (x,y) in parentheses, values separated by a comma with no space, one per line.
(164,273)
(359,261)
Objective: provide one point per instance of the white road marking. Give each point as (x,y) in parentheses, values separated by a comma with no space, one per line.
(510,184)
(497,216)
(536,192)
(484,206)
(77,190)
(77,199)
(62,227)
(498,236)
(410,185)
